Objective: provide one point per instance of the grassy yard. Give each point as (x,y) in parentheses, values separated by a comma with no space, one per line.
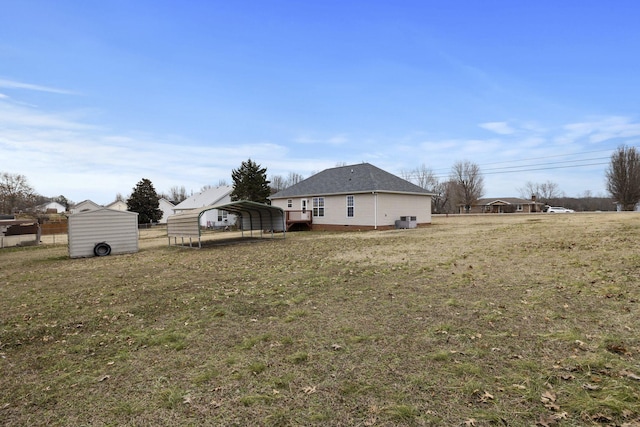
(473,321)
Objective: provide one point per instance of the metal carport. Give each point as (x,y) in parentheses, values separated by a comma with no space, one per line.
(252,215)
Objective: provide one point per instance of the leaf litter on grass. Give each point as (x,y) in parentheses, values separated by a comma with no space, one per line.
(430,326)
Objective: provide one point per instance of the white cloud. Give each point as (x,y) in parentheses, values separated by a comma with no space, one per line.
(338,139)
(19,116)
(10,84)
(501,128)
(600,130)
(59,154)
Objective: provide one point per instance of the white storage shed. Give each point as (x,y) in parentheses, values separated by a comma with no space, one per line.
(102,232)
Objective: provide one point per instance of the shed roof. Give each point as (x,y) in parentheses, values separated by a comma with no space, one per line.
(358,178)
(85,205)
(102,210)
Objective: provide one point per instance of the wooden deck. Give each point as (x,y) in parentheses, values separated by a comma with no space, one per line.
(299,219)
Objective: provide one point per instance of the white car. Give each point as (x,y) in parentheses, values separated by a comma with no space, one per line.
(559,209)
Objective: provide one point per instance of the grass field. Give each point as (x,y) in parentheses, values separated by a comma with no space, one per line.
(515,320)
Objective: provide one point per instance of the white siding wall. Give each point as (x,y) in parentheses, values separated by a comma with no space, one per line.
(117,228)
(167,210)
(282,204)
(390,207)
(335,210)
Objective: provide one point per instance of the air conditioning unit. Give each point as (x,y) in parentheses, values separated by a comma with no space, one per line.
(407,222)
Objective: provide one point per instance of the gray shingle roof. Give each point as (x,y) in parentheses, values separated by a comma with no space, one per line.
(358,178)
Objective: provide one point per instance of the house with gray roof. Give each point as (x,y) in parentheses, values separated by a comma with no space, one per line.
(505,205)
(356,197)
(213,218)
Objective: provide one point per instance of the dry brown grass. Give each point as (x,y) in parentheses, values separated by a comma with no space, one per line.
(506,320)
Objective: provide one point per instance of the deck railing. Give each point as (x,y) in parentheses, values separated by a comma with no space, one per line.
(299,216)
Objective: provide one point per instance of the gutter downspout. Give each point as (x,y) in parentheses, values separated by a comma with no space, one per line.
(375,210)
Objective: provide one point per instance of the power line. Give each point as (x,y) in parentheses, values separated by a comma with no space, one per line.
(545,168)
(544,164)
(574,163)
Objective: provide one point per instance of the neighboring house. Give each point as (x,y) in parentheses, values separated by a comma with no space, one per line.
(505,205)
(214,218)
(85,205)
(356,197)
(165,206)
(52,207)
(118,205)
(167,209)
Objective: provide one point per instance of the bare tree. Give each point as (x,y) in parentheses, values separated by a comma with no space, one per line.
(443,193)
(277,183)
(15,193)
(623,177)
(469,183)
(544,192)
(422,176)
(293,178)
(549,190)
(177,194)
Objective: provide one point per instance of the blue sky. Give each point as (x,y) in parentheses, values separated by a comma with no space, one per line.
(96,95)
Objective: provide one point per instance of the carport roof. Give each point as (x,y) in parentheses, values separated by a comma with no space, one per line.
(254,216)
(249,206)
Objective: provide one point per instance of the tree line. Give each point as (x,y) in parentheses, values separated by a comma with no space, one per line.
(461,189)
(465,186)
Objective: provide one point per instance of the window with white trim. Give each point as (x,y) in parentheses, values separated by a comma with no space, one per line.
(222,215)
(289,203)
(350,206)
(318,206)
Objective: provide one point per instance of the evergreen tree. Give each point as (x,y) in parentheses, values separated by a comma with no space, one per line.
(250,183)
(145,201)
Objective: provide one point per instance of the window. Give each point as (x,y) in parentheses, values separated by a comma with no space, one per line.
(350,206)
(222,215)
(289,203)
(318,206)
